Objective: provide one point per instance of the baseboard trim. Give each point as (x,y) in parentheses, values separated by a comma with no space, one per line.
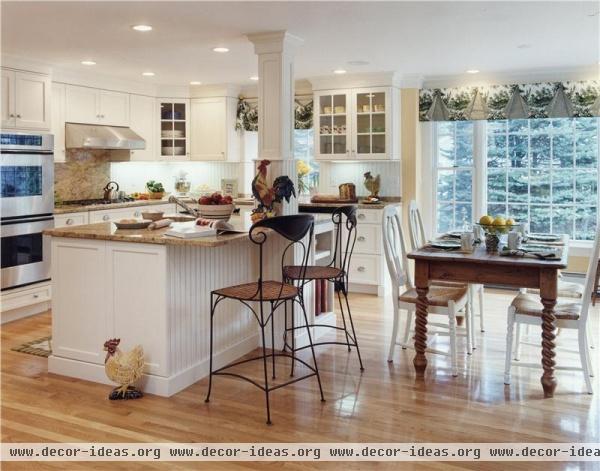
(152,384)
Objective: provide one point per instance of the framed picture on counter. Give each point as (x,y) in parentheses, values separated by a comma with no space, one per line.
(229,186)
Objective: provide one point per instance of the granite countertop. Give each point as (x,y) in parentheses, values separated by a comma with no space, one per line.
(384,202)
(108,231)
(65,209)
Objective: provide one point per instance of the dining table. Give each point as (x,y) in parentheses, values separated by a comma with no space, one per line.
(481,267)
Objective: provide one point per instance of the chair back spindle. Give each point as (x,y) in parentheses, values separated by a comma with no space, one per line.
(415,226)
(395,249)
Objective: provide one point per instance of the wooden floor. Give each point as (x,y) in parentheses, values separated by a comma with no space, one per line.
(383,404)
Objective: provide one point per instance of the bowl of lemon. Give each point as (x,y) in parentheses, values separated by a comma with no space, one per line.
(494,227)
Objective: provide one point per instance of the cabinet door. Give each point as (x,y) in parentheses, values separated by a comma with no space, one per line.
(372,131)
(208,129)
(174,129)
(7,100)
(32,101)
(58,121)
(142,122)
(82,105)
(70,219)
(333,125)
(114,108)
(106,215)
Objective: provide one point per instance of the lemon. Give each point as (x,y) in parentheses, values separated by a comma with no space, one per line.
(499,221)
(511,222)
(486,220)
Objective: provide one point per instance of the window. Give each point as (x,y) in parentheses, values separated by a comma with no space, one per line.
(542,171)
(454,175)
(304,151)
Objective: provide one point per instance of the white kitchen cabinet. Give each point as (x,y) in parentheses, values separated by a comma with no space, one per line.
(58,121)
(93,106)
(25,100)
(71,219)
(213,134)
(141,121)
(357,124)
(174,129)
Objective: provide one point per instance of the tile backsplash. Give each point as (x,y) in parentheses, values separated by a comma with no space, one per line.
(83,174)
(333,174)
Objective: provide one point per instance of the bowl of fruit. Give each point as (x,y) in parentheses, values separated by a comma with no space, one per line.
(216,206)
(494,227)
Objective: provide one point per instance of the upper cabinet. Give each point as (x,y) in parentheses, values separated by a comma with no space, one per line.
(174,128)
(357,124)
(93,106)
(142,121)
(213,134)
(58,121)
(25,100)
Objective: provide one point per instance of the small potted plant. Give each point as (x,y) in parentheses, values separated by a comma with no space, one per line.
(156,190)
(216,206)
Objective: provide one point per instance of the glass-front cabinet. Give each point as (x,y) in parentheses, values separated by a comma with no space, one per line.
(174,129)
(333,126)
(357,124)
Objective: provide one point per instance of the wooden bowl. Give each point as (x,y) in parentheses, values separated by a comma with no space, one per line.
(215,211)
(156,196)
(153,215)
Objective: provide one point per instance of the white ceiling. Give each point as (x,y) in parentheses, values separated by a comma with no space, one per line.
(422,38)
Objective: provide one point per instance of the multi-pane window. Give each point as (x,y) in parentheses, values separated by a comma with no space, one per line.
(541,171)
(454,174)
(545,171)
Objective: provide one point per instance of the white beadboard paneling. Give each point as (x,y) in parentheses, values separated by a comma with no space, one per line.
(132,176)
(335,173)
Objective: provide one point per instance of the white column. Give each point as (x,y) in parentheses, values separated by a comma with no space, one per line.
(275,52)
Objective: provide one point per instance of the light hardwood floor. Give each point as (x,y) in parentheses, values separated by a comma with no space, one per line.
(384,404)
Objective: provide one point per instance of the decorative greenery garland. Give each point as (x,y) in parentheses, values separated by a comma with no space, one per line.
(247,116)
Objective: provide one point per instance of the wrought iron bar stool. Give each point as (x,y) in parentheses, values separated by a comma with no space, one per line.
(276,293)
(336,272)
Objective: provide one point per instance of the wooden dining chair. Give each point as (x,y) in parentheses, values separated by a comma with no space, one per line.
(570,314)
(445,300)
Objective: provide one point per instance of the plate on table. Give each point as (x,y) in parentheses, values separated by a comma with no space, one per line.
(132,223)
(537,248)
(544,237)
(445,244)
(453,235)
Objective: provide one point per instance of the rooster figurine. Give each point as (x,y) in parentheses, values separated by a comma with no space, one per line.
(260,188)
(372,184)
(283,189)
(124,369)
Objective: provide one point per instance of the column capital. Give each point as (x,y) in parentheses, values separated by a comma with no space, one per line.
(274,42)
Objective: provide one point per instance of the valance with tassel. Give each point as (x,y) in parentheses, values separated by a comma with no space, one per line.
(519,101)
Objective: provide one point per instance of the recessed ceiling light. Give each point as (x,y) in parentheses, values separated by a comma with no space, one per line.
(142,28)
(339,71)
(195,82)
(472,71)
(220,49)
(148,74)
(88,62)
(254,77)
(357,63)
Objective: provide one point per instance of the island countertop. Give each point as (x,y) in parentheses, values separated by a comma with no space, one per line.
(108,231)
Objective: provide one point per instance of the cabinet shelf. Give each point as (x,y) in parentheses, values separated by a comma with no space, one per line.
(320,254)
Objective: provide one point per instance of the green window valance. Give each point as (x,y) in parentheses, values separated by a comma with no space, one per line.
(518,101)
(247,114)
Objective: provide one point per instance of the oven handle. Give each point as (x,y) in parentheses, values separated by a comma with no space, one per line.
(26,220)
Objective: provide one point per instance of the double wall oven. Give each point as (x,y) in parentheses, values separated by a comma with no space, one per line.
(26,207)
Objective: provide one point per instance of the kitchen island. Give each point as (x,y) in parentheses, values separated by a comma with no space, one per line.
(154,290)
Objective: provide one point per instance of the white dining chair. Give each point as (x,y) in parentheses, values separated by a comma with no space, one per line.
(443,300)
(418,239)
(570,314)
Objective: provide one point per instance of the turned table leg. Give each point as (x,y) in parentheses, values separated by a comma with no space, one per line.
(548,294)
(422,286)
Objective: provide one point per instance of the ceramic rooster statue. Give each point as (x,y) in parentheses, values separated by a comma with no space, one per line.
(124,369)
(260,188)
(372,184)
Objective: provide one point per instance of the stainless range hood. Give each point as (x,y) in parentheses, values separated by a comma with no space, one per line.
(93,136)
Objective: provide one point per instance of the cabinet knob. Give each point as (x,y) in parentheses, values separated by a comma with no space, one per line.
(102,116)
(12,115)
(18,116)
(36,296)
(361,268)
(361,238)
(361,216)
(69,222)
(106,217)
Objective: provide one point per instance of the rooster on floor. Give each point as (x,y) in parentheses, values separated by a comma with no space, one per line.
(124,369)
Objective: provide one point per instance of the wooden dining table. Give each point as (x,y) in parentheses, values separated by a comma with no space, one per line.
(481,267)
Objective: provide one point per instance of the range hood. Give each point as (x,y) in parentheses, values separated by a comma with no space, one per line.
(93,136)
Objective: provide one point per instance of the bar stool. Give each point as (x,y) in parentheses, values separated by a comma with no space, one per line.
(294,229)
(336,272)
